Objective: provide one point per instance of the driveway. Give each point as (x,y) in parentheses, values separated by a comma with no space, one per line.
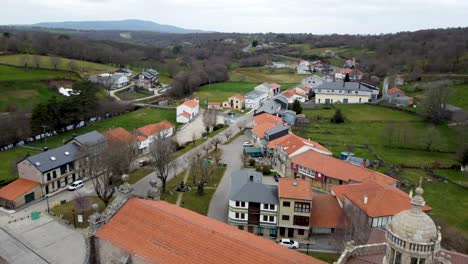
(44,240)
(218,208)
(195,128)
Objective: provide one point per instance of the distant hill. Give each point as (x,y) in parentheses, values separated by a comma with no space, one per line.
(127,25)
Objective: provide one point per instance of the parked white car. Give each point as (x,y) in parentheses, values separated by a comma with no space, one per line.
(289,243)
(248,144)
(75,185)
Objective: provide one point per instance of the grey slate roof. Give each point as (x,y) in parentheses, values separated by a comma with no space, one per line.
(90,138)
(240,177)
(276,129)
(258,193)
(45,161)
(351,86)
(253,94)
(125,70)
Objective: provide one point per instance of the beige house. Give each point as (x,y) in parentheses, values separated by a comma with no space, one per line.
(236,102)
(295,204)
(341,92)
(19,193)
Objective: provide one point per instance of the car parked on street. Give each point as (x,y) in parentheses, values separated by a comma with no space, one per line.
(75,185)
(247,144)
(289,243)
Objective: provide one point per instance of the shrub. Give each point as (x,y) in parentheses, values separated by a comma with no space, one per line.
(264,169)
(338,117)
(218,126)
(252,162)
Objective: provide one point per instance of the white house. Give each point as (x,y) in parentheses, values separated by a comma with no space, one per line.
(187,111)
(315,80)
(345,93)
(118,80)
(254,99)
(150,133)
(269,88)
(354,74)
(303,67)
(124,71)
(293,95)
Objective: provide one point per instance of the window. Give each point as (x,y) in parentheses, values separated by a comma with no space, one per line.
(237,215)
(265,218)
(286,204)
(237,203)
(300,232)
(54,173)
(345,100)
(260,231)
(271,218)
(302,207)
(241,227)
(301,220)
(272,207)
(398,258)
(242,216)
(285,217)
(242,204)
(48,176)
(273,232)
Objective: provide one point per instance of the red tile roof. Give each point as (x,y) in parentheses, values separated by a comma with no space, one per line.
(338,169)
(154,128)
(382,199)
(191,103)
(275,86)
(295,189)
(349,71)
(261,128)
(17,188)
(267,118)
(238,96)
(185,114)
(394,90)
(291,143)
(326,212)
(160,232)
(119,134)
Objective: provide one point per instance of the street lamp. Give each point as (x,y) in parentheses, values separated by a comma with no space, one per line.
(308,247)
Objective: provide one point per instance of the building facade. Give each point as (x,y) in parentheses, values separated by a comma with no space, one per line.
(187,111)
(254,99)
(345,93)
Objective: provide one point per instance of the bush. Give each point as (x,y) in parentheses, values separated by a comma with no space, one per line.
(218,127)
(252,162)
(264,169)
(338,117)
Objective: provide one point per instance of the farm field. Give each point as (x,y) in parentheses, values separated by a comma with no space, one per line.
(406,148)
(129,121)
(83,68)
(263,74)
(27,87)
(218,92)
(342,52)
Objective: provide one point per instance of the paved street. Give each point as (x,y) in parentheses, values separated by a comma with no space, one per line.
(195,128)
(44,240)
(219,202)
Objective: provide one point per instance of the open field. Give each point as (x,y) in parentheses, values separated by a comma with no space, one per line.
(342,53)
(459,96)
(368,124)
(218,92)
(83,68)
(27,87)
(129,121)
(263,74)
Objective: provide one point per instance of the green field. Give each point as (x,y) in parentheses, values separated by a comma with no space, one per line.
(342,53)
(84,68)
(128,121)
(27,87)
(263,74)
(367,124)
(218,92)
(459,96)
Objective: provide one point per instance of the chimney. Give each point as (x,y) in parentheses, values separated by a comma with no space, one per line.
(45,149)
(294,183)
(366,199)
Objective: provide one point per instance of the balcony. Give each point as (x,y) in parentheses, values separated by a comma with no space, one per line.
(254,208)
(254,219)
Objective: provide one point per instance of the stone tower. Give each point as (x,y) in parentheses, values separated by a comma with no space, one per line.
(412,237)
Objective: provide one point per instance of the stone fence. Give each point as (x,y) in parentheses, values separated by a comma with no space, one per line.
(352,251)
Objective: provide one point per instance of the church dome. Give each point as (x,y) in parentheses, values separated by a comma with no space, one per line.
(414,225)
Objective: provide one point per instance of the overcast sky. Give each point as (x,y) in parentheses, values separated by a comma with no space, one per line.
(311,16)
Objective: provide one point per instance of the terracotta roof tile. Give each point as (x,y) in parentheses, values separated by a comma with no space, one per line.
(154,128)
(185,114)
(160,232)
(119,134)
(17,188)
(267,118)
(295,189)
(326,212)
(338,169)
(238,96)
(349,71)
(262,128)
(382,199)
(394,90)
(275,85)
(191,103)
(291,143)
(214,103)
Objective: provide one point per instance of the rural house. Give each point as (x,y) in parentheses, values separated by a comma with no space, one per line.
(345,93)
(19,192)
(148,134)
(398,97)
(354,75)
(254,99)
(236,102)
(187,111)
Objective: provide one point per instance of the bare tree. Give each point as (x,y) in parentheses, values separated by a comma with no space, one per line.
(209,119)
(218,156)
(228,134)
(215,142)
(207,147)
(37,61)
(72,66)
(435,100)
(241,125)
(24,60)
(244,158)
(81,202)
(194,137)
(55,61)
(106,163)
(162,154)
(429,137)
(206,171)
